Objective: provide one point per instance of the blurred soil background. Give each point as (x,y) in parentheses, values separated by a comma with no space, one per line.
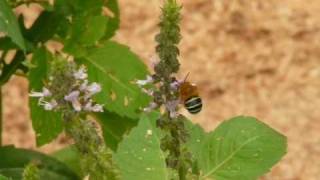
(249,57)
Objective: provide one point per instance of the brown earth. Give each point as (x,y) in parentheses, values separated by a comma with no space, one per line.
(256,58)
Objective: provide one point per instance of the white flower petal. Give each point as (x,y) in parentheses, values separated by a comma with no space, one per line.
(76,105)
(148,91)
(144,82)
(88,106)
(50,106)
(73,96)
(36,94)
(97,108)
(174,114)
(151,107)
(81,73)
(46,92)
(84,85)
(94,88)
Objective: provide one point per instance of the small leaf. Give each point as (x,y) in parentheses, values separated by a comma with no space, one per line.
(47,124)
(139,155)
(13,162)
(240,148)
(114,127)
(9,24)
(116,68)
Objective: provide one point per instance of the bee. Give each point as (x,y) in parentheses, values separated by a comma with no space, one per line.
(189,97)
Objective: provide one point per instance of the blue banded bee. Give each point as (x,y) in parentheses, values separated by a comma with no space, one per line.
(189,96)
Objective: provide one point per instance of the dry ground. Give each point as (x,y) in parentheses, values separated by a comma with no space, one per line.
(249,57)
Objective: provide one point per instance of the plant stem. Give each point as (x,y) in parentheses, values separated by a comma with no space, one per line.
(9,69)
(1,116)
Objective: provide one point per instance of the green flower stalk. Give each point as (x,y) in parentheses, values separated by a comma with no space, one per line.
(31,172)
(168,39)
(96,158)
(69,92)
(166,92)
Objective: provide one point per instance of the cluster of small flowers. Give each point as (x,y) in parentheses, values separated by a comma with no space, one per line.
(171,105)
(79,95)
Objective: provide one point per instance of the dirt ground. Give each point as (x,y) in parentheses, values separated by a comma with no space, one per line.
(257,58)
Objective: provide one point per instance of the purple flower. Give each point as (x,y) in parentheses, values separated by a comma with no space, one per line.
(73,97)
(172,108)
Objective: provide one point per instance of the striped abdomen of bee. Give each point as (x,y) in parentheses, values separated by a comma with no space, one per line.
(190,97)
(193,104)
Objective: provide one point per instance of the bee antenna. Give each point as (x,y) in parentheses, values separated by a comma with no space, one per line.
(186,77)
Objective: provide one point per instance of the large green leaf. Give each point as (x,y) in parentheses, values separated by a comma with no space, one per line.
(239,149)
(47,124)
(115,67)
(13,161)
(139,155)
(9,24)
(114,127)
(242,148)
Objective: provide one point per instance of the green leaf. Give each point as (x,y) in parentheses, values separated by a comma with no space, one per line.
(116,68)
(139,155)
(9,69)
(47,124)
(85,31)
(242,148)
(70,157)
(114,127)
(13,162)
(113,23)
(88,24)
(6,44)
(197,135)
(45,27)
(3,177)
(9,24)
(79,7)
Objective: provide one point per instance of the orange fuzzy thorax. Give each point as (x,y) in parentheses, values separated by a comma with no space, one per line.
(188,90)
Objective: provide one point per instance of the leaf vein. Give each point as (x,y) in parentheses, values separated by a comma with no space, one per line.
(230,156)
